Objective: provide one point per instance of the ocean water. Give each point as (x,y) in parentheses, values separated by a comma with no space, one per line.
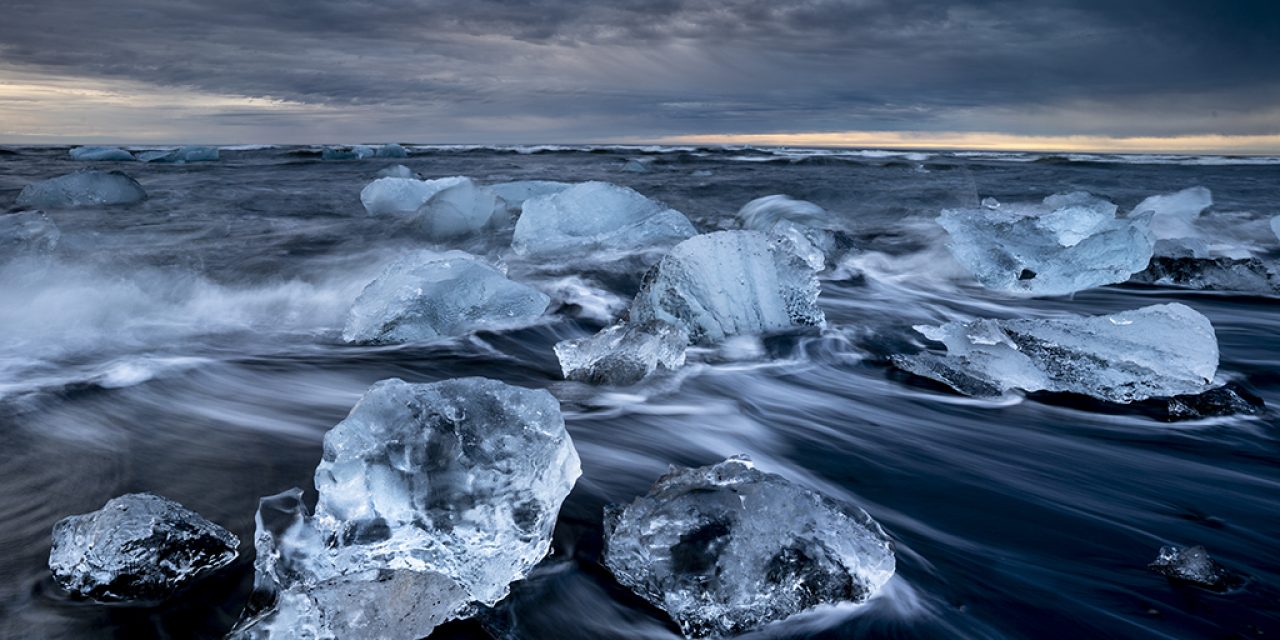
(189,346)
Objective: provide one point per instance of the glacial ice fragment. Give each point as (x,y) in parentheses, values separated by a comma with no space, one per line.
(727,548)
(729,283)
(635,165)
(1231,399)
(1275,226)
(1069,243)
(181,155)
(1160,350)
(433,499)
(623,353)
(516,193)
(426,296)
(1213,274)
(356,152)
(100,154)
(1192,565)
(399,171)
(458,210)
(803,225)
(27,232)
(1173,215)
(402,196)
(596,216)
(138,547)
(82,189)
(391,150)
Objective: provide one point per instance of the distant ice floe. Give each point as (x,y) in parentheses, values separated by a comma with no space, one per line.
(82,189)
(181,155)
(101,154)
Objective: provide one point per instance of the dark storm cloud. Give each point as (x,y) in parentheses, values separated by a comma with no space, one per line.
(695,66)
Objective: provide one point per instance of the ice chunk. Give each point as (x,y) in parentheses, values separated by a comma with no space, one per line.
(433,498)
(1230,399)
(1192,565)
(100,154)
(426,296)
(182,155)
(635,165)
(82,189)
(1173,215)
(27,232)
(516,193)
(356,152)
(402,196)
(595,216)
(398,171)
(391,150)
(623,353)
(460,209)
(804,226)
(1215,274)
(1275,226)
(1069,243)
(1160,350)
(138,547)
(728,283)
(726,549)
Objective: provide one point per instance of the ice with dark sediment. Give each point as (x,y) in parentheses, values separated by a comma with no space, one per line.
(398,171)
(729,283)
(433,499)
(1216,273)
(181,155)
(805,226)
(101,154)
(1156,351)
(1191,565)
(27,233)
(1067,243)
(137,547)
(592,218)
(402,196)
(726,549)
(82,189)
(623,353)
(1275,226)
(426,296)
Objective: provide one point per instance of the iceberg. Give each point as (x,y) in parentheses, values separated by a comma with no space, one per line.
(1214,274)
(1192,565)
(182,155)
(1068,243)
(391,150)
(1156,351)
(433,499)
(426,296)
(82,189)
(138,547)
(101,154)
(729,283)
(803,225)
(596,216)
(27,232)
(399,171)
(623,353)
(726,549)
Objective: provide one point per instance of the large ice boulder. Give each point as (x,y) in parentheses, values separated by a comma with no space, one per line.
(729,283)
(433,499)
(27,232)
(1156,351)
(594,217)
(1067,243)
(181,155)
(138,547)
(459,210)
(727,549)
(1174,215)
(82,189)
(426,296)
(101,154)
(402,196)
(1250,275)
(802,225)
(623,353)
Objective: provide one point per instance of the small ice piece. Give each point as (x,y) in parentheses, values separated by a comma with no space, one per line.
(101,154)
(138,547)
(596,216)
(460,209)
(1191,565)
(433,499)
(82,189)
(1213,274)
(1173,215)
(402,196)
(804,226)
(181,155)
(726,549)
(391,150)
(425,296)
(399,171)
(990,203)
(1230,399)
(1069,243)
(635,165)
(516,193)
(1156,351)
(729,283)
(623,353)
(27,232)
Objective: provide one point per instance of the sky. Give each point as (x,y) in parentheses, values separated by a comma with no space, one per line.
(1184,76)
